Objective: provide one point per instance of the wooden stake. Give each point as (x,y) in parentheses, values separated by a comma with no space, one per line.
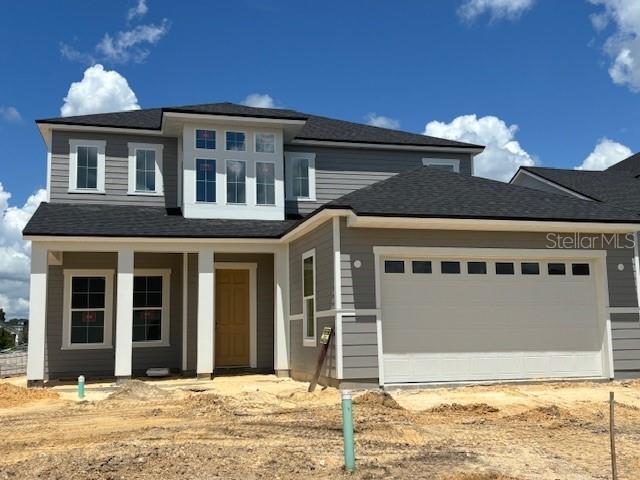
(614,468)
(325,339)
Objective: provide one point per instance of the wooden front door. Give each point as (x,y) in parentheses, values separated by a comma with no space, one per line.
(232,318)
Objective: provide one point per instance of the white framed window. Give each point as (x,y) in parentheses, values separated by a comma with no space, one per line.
(449,164)
(236,182)
(151,307)
(265,183)
(300,176)
(87,321)
(86,166)
(205,139)
(235,141)
(145,169)
(205,180)
(265,142)
(309,298)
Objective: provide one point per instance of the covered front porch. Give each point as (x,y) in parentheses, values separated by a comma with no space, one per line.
(103,308)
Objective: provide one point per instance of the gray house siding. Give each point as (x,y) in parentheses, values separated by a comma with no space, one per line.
(342,170)
(116,169)
(625,331)
(303,359)
(359,348)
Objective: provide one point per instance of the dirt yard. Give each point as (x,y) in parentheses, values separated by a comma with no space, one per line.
(262,427)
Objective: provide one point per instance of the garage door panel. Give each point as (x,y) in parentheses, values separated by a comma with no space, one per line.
(459,327)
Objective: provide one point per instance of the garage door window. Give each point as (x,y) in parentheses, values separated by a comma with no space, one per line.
(530,268)
(393,266)
(556,269)
(504,268)
(421,266)
(477,268)
(580,269)
(450,267)
(309,298)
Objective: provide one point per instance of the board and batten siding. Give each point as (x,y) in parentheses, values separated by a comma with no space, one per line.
(116,169)
(342,170)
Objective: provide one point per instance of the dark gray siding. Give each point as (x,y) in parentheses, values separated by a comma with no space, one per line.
(625,333)
(303,359)
(116,169)
(342,170)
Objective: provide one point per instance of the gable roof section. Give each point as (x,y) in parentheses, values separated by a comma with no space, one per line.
(433,193)
(629,165)
(614,187)
(316,128)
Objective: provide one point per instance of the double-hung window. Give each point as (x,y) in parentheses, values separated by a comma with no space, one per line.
(86,166)
(265,183)
(309,297)
(236,182)
(205,180)
(87,315)
(145,169)
(150,307)
(236,141)
(300,176)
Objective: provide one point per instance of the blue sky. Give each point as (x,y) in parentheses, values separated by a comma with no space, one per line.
(553,68)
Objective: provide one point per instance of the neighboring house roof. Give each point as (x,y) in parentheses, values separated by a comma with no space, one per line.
(629,165)
(316,127)
(616,187)
(65,219)
(434,193)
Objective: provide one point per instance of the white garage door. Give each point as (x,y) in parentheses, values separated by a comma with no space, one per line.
(462,319)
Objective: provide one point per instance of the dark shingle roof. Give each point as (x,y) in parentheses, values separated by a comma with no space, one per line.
(614,187)
(315,128)
(434,193)
(65,219)
(629,165)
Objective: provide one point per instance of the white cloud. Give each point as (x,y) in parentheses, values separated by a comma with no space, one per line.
(382,121)
(10,114)
(606,153)
(99,91)
(127,46)
(139,10)
(503,153)
(15,252)
(497,9)
(623,44)
(259,100)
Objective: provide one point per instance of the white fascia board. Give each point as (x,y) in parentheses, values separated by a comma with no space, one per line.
(84,128)
(540,179)
(313,222)
(386,146)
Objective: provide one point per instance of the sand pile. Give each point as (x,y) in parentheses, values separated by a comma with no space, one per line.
(377,398)
(137,390)
(13,396)
(458,408)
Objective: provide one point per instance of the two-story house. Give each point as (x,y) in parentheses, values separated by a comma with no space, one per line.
(208,237)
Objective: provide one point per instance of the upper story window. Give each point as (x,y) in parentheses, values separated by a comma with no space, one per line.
(145,169)
(236,181)
(86,166)
(205,180)
(265,142)
(265,183)
(206,139)
(300,176)
(449,164)
(236,141)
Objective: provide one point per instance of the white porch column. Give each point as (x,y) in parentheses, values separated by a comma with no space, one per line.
(37,316)
(124,314)
(206,313)
(281,311)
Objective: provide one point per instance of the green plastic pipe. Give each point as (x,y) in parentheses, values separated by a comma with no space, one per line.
(81,387)
(347,432)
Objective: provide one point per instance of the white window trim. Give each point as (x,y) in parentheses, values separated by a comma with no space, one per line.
(195,139)
(108,309)
(158,148)
(165,329)
(73,165)
(195,180)
(255,142)
(246,140)
(454,162)
(246,182)
(309,341)
(290,157)
(275,197)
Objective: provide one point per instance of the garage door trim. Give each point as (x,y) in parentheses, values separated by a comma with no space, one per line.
(598,257)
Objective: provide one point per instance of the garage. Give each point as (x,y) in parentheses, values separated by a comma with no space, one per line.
(458,316)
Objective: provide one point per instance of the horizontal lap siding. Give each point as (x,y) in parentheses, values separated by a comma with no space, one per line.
(116,169)
(342,170)
(625,333)
(304,359)
(359,347)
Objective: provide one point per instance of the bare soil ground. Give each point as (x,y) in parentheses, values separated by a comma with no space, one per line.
(262,427)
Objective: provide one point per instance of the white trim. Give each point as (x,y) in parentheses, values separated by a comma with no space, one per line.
(386,146)
(37,314)
(289,158)
(255,142)
(100,145)
(281,347)
(344,312)
(165,324)
(337,295)
(158,148)
(47,140)
(185,303)
(618,310)
(124,313)
(253,304)
(636,265)
(180,172)
(205,343)
(306,340)
(108,309)
(454,162)
(246,138)
(96,128)
(547,182)
(599,258)
(246,183)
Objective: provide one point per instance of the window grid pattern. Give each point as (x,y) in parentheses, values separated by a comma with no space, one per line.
(145,170)
(236,182)
(308,291)
(300,178)
(87,167)
(147,308)
(206,139)
(205,180)
(265,183)
(236,141)
(265,143)
(87,310)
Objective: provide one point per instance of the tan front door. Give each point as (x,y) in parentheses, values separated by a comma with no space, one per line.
(232,318)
